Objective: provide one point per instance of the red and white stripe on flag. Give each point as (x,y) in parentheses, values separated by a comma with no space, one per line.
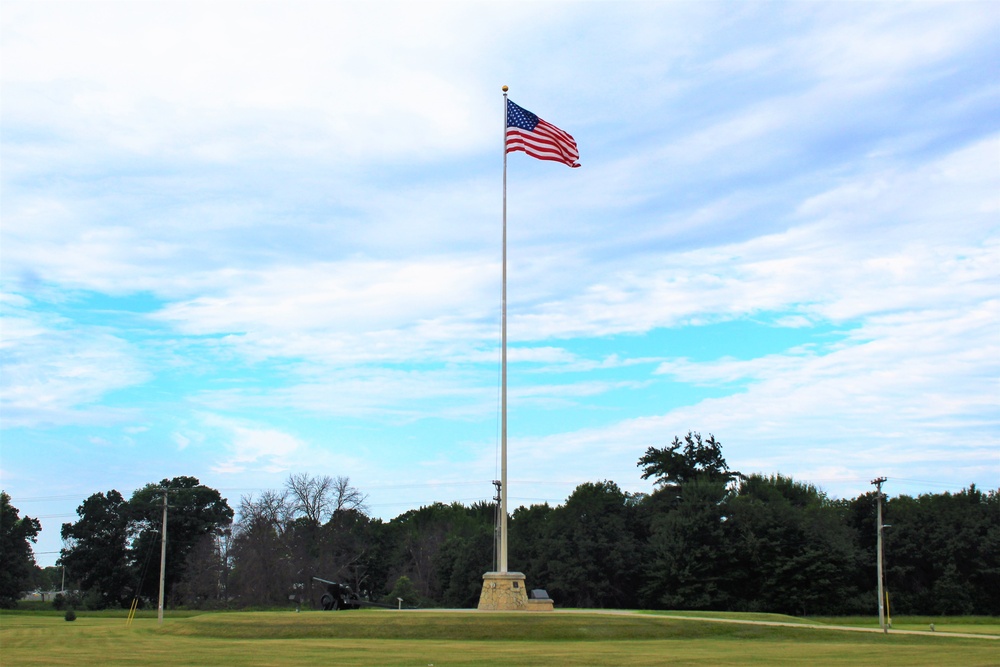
(538,138)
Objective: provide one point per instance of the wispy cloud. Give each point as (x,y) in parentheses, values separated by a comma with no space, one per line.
(55,372)
(238,244)
(251,447)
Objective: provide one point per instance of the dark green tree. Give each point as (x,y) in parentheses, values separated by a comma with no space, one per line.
(942,553)
(793,550)
(349,552)
(403,589)
(17,562)
(96,552)
(531,543)
(194,511)
(593,555)
(682,462)
(689,556)
(202,584)
(688,550)
(47,578)
(418,539)
(462,560)
(262,573)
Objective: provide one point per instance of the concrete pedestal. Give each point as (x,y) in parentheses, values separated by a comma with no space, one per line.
(503,591)
(543,604)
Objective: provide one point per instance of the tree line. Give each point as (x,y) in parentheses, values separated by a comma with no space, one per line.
(706,538)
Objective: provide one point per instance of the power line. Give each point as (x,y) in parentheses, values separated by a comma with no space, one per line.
(927,482)
(42,499)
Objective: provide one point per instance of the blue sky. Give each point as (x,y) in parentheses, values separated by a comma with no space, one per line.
(246,240)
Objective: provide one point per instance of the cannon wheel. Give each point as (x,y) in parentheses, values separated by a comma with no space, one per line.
(327,602)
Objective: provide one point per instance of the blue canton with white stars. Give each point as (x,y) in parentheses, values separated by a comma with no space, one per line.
(522,118)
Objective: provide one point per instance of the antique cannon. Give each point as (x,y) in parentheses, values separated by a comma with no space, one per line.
(340,596)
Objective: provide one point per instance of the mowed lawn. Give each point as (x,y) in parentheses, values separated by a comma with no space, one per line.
(439,638)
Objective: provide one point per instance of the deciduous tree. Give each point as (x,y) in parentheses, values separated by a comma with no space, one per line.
(194,511)
(687,461)
(17,562)
(792,549)
(594,558)
(262,573)
(97,550)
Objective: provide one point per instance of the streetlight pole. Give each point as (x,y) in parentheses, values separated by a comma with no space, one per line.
(881,592)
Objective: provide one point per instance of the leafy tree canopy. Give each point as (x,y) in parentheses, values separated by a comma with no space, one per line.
(96,551)
(193,511)
(16,559)
(779,488)
(691,460)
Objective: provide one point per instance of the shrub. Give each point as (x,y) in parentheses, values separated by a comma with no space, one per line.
(70,615)
(405,589)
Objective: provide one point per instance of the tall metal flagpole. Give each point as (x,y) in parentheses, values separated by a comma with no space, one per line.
(504,590)
(502,557)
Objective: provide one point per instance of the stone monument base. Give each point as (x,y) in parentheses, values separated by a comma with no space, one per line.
(503,591)
(542,604)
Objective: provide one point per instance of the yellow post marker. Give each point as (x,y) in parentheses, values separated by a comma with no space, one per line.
(131,612)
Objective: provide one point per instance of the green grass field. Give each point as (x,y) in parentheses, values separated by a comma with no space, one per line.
(439,638)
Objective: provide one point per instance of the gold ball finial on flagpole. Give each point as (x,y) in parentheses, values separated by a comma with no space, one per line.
(503,88)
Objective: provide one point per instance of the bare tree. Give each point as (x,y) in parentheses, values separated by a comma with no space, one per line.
(311,497)
(271,509)
(316,524)
(261,550)
(347,497)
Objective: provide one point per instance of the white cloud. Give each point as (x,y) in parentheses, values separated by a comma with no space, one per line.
(899,395)
(352,296)
(396,396)
(921,238)
(55,372)
(308,194)
(253,447)
(181,440)
(368,81)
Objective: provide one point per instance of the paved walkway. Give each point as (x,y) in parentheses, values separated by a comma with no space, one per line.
(784,624)
(779,624)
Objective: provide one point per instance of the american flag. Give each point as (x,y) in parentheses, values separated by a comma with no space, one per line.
(529,133)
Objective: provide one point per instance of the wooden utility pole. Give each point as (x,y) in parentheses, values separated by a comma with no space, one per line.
(881,577)
(163,559)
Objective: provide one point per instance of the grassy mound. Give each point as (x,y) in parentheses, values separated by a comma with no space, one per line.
(471,626)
